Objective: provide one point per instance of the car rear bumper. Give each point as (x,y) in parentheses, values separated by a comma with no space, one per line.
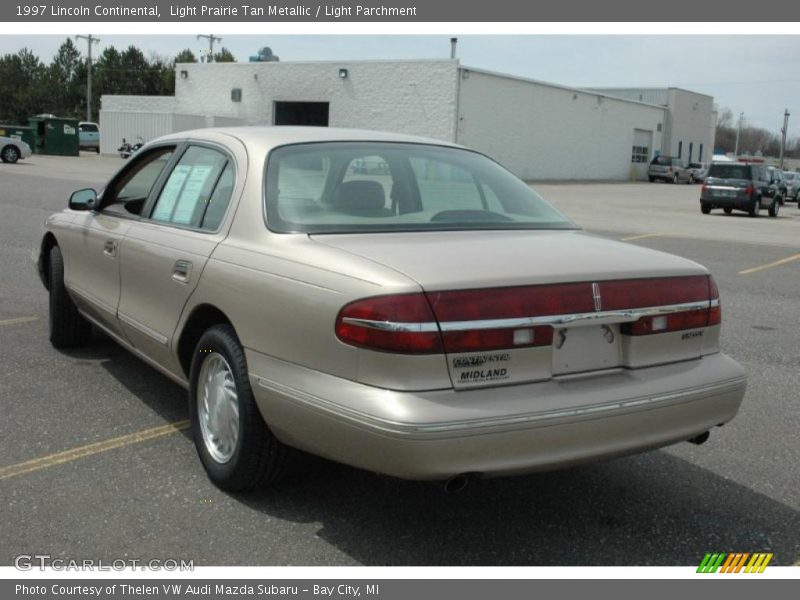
(495,431)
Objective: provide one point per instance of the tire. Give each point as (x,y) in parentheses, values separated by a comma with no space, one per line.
(774,208)
(652,179)
(9,154)
(728,210)
(67,327)
(251,457)
(705,208)
(755,208)
(675,178)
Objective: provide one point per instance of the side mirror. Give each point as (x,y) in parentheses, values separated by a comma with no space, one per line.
(83,199)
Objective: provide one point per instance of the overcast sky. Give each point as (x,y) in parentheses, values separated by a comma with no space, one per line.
(757,75)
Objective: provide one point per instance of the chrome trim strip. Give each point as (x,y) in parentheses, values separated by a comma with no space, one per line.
(474,426)
(144,329)
(393,326)
(574,320)
(714,303)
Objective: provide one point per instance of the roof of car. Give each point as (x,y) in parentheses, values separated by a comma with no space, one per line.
(281,135)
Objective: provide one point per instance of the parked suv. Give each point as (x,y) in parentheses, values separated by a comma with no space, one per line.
(668,168)
(779,179)
(740,186)
(792,184)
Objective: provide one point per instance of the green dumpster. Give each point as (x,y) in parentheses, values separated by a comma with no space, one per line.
(19,132)
(55,135)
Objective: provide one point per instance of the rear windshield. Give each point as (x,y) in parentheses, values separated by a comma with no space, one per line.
(665,161)
(338,187)
(90,127)
(789,176)
(724,171)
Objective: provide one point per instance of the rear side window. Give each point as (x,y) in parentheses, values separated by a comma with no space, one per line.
(664,161)
(724,171)
(197,191)
(88,127)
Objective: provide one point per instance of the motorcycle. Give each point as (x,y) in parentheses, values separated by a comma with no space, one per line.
(126,150)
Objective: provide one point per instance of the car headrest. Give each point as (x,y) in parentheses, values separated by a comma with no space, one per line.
(354,197)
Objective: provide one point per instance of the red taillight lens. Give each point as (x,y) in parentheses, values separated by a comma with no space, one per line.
(401,323)
(641,293)
(704,189)
(497,339)
(750,189)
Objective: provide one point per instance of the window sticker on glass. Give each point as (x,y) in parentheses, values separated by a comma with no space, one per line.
(170,193)
(190,194)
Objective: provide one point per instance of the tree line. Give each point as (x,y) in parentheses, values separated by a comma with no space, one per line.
(29,87)
(752,140)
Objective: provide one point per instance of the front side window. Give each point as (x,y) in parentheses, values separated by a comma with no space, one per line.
(130,189)
(338,187)
(197,191)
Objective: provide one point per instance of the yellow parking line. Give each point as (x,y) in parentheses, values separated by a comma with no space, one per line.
(776,263)
(19,320)
(643,236)
(83,451)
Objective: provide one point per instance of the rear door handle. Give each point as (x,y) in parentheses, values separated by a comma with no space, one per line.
(110,248)
(182,271)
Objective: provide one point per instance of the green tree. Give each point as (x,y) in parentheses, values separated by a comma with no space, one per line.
(66,78)
(185,56)
(224,56)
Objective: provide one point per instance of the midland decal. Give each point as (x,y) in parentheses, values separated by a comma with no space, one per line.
(481,368)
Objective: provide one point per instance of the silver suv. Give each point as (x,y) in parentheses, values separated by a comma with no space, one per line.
(670,169)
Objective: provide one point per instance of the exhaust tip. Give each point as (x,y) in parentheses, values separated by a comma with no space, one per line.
(700,439)
(456,484)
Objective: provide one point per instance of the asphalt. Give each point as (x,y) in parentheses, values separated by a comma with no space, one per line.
(151,499)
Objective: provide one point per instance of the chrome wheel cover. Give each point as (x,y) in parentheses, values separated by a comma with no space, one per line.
(218,407)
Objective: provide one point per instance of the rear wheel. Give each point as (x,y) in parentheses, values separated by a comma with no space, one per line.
(755,208)
(652,179)
(67,327)
(10,154)
(236,447)
(705,208)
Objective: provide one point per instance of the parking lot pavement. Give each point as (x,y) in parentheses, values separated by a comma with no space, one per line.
(91,467)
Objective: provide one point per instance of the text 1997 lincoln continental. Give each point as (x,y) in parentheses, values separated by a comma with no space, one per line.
(394,303)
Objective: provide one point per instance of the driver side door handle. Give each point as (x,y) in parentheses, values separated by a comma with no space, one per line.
(110,248)
(182,271)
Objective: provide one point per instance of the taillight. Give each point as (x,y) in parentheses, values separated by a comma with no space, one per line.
(400,323)
(750,189)
(704,189)
(679,290)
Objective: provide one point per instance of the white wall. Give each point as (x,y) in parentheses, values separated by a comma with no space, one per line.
(691,122)
(543,131)
(415,97)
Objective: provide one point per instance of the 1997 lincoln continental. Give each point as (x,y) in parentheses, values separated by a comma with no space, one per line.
(394,303)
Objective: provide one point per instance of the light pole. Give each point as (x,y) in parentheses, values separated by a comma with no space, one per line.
(738,130)
(783,132)
(211,39)
(90,39)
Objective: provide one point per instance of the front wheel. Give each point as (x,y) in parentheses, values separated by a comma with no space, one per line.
(705,208)
(66,325)
(10,154)
(236,447)
(774,208)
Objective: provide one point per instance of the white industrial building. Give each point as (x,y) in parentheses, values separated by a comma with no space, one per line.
(539,130)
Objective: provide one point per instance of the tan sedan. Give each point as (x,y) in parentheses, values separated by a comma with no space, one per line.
(394,303)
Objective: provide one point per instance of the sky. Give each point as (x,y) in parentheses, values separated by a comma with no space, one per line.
(755,75)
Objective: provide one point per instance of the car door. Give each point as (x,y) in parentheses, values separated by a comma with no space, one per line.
(91,245)
(164,253)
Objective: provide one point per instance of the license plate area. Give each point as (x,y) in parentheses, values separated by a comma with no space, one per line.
(725,193)
(578,349)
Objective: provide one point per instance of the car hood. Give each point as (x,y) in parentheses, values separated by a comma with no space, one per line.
(469,259)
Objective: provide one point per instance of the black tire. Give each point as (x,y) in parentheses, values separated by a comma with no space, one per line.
(774,208)
(755,208)
(258,459)
(652,179)
(675,178)
(705,208)
(68,328)
(728,210)
(9,154)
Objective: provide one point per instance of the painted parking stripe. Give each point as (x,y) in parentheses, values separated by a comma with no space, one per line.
(643,236)
(776,263)
(58,458)
(18,320)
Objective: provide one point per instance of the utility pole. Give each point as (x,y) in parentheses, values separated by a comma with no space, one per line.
(211,39)
(783,131)
(738,130)
(89,40)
